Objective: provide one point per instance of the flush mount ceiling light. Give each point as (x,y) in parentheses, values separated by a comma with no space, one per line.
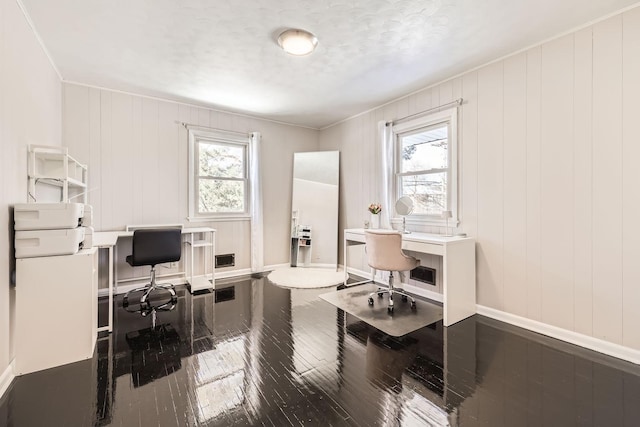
(297,42)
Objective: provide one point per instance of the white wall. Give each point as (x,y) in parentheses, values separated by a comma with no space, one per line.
(30,113)
(138,170)
(548,176)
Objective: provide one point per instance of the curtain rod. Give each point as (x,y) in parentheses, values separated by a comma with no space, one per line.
(457,102)
(192,126)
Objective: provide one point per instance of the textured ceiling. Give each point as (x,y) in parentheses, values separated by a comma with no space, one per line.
(224,54)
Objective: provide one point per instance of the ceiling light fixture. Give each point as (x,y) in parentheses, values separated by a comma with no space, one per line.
(297,42)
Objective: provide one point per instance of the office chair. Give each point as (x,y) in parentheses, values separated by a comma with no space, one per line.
(384,252)
(152,247)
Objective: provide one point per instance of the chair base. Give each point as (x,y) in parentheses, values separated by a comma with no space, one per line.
(391,291)
(144,299)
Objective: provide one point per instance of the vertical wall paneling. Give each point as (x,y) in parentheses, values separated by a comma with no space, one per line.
(401,107)
(169,162)
(607,179)
(515,183)
(137,156)
(106,161)
(445,91)
(183,149)
(534,250)
(630,179)
(76,103)
(556,182)
(469,155)
(6,334)
(122,195)
(95,169)
(31,104)
(149,162)
(490,186)
(456,94)
(548,178)
(582,186)
(139,168)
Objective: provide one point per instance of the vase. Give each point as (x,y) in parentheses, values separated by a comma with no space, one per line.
(375,221)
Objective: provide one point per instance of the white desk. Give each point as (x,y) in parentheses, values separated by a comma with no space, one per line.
(109,239)
(458,261)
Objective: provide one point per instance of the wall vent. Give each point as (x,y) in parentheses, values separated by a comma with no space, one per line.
(424,274)
(225,260)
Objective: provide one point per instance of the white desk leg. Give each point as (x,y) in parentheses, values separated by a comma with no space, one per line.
(459,282)
(115,267)
(345,261)
(110,283)
(111,277)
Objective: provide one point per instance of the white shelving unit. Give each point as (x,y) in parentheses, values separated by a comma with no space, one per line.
(202,246)
(54,166)
(301,246)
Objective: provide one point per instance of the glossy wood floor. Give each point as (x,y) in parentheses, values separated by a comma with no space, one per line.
(256,354)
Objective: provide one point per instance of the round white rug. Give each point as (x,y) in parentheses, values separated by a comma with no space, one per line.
(306,278)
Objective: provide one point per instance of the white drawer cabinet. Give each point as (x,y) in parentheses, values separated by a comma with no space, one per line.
(56,310)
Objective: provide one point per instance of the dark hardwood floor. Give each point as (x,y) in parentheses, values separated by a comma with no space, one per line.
(256,354)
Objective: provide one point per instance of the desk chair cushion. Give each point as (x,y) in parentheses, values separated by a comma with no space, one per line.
(155,246)
(384,251)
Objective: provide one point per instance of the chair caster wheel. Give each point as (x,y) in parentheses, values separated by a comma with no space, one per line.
(404,298)
(370,301)
(390,310)
(413,305)
(380,294)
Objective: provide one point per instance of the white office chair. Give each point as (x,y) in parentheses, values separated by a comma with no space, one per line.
(384,252)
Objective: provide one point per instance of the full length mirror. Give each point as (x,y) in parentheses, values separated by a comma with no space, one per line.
(314,206)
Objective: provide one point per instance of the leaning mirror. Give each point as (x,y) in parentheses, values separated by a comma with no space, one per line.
(404,207)
(314,208)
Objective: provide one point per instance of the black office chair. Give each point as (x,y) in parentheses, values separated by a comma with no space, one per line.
(152,247)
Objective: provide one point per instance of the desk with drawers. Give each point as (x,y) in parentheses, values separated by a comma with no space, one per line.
(459,265)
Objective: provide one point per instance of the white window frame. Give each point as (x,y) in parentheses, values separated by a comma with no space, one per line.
(450,117)
(196,136)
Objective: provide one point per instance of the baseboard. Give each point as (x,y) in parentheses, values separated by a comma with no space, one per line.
(276,266)
(591,343)
(605,347)
(232,273)
(318,265)
(6,378)
(123,289)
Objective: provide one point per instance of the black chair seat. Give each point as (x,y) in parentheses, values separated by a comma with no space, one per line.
(155,246)
(151,247)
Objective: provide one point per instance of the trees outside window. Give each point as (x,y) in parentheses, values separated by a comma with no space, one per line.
(220,183)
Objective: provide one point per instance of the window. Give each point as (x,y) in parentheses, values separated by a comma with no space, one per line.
(219,184)
(426,164)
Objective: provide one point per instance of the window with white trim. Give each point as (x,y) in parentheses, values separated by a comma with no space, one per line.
(219,175)
(425,166)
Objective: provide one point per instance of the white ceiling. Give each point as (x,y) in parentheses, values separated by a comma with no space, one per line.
(224,54)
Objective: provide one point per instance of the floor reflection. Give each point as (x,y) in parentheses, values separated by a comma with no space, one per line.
(256,354)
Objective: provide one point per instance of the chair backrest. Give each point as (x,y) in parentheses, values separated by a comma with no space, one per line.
(156,246)
(384,251)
